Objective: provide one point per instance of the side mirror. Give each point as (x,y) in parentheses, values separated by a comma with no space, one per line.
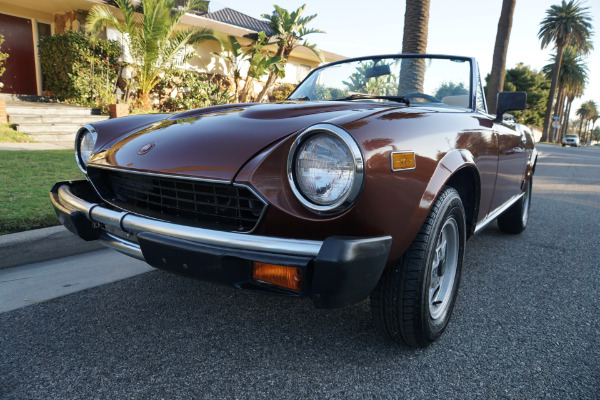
(508,101)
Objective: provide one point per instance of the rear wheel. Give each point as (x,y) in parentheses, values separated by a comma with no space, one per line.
(514,220)
(413,301)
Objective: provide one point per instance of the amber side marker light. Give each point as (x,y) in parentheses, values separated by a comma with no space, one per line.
(403,160)
(279,275)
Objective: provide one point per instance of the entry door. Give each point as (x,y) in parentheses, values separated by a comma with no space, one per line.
(512,160)
(20,76)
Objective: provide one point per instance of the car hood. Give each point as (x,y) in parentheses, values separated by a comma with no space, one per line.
(214,143)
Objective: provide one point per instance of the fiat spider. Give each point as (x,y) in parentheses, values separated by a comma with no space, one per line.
(366,182)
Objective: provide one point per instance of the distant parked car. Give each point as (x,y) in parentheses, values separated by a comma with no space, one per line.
(367,180)
(570,140)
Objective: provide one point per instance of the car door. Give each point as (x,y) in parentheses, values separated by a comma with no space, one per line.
(512,160)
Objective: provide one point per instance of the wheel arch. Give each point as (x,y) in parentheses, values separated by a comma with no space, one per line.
(456,169)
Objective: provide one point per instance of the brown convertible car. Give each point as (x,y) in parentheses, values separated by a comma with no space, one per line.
(366,181)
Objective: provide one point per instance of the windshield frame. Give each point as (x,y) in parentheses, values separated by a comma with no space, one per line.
(472,67)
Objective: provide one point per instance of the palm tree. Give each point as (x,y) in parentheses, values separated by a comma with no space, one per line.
(567,23)
(573,92)
(585,111)
(573,77)
(234,56)
(592,116)
(151,35)
(496,82)
(414,40)
(260,62)
(289,29)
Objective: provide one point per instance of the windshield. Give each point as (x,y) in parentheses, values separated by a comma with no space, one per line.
(440,81)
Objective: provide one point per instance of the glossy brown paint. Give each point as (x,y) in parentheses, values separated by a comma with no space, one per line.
(395,203)
(250,144)
(215,145)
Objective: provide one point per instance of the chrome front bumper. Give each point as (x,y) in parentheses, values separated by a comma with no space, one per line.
(133,224)
(338,270)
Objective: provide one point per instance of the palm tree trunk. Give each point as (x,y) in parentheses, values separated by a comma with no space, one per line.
(245,89)
(585,133)
(558,110)
(563,117)
(567,113)
(496,83)
(557,61)
(268,84)
(414,40)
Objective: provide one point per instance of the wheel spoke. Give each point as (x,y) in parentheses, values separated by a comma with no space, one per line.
(443,269)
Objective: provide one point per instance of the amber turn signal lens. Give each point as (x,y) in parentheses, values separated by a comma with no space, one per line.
(279,275)
(403,160)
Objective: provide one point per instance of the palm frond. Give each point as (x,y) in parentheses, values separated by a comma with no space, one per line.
(100,17)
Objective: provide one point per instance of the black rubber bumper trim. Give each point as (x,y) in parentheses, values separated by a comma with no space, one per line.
(213,263)
(347,270)
(75,221)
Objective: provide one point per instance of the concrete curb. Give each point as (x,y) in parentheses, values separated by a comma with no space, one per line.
(41,245)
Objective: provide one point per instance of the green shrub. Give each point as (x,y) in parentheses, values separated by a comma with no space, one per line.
(3,58)
(184,90)
(79,68)
(281,92)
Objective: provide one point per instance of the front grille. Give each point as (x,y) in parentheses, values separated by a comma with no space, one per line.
(184,201)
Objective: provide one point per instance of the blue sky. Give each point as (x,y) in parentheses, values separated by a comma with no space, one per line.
(461,27)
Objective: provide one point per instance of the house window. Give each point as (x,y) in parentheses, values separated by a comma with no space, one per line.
(302,71)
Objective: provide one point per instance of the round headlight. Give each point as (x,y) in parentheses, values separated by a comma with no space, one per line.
(325,169)
(84,146)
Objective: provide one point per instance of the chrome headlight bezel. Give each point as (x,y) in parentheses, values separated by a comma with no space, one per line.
(81,134)
(349,197)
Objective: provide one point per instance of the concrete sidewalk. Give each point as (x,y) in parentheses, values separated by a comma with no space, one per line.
(41,245)
(34,146)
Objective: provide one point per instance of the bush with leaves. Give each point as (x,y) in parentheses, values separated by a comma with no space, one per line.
(79,68)
(522,78)
(182,90)
(3,58)
(451,89)
(281,92)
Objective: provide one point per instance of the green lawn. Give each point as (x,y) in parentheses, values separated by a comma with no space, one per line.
(26,177)
(9,135)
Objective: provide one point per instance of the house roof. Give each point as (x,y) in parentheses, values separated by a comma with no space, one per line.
(232,17)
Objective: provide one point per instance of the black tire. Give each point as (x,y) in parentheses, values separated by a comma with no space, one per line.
(404,304)
(563,145)
(514,220)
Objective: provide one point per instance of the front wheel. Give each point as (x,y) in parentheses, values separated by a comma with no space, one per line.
(413,301)
(514,220)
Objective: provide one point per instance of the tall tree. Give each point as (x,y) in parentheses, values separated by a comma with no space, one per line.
(289,31)
(414,40)
(496,83)
(149,30)
(522,78)
(572,78)
(585,111)
(567,23)
(260,62)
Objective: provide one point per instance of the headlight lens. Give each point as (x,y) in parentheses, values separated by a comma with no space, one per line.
(325,169)
(84,146)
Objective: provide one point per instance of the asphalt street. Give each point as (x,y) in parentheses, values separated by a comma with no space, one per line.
(525,326)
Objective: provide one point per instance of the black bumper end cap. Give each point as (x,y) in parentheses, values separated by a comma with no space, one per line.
(75,221)
(348,269)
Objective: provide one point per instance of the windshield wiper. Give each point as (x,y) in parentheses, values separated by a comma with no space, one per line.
(358,96)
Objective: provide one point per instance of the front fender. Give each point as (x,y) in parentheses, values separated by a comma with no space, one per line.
(453,169)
